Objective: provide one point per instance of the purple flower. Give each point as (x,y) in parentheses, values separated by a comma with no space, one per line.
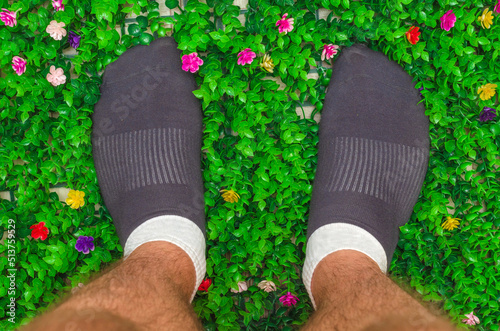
(420,90)
(74,39)
(487,114)
(289,299)
(497,7)
(85,244)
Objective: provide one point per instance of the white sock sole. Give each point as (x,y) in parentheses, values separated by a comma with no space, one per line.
(176,230)
(335,237)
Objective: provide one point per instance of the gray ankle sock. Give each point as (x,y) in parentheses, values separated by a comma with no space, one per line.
(147,139)
(372,159)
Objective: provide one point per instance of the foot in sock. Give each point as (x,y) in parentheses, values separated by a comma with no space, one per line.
(372,159)
(146,144)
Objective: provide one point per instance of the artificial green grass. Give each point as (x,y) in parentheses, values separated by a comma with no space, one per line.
(255,144)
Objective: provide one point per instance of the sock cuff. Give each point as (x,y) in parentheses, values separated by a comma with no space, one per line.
(177,230)
(337,236)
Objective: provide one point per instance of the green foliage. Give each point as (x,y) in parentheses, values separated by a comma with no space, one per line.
(254,143)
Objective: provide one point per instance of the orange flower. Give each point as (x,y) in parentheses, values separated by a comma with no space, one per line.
(412,35)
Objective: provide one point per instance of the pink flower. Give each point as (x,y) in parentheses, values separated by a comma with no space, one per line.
(472,320)
(497,7)
(285,25)
(448,20)
(246,56)
(267,286)
(191,62)
(8,17)
(242,286)
(289,299)
(19,65)
(329,51)
(58,5)
(56,76)
(56,30)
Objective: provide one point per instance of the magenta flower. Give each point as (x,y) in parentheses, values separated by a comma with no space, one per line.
(85,244)
(19,65)
(285,25)
(191,62)
(472,320)
(289,299)
(448,20)
(58,5)
(487,114)
(246,56)
(8,17)
(497,7)
(56,76)
(329,51)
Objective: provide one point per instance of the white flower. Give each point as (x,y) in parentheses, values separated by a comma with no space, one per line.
(56,30)
(242,286)
(267,286)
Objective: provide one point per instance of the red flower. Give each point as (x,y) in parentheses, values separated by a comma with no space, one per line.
(412,35)
(39,231)
(205,285)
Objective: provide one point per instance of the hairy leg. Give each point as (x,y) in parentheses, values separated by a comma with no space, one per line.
(150,290)
(352,293)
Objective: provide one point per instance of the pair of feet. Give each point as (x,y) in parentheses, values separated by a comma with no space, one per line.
(372,157)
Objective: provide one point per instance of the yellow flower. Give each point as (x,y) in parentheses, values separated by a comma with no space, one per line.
(486,19)
(450,223)
(267,63)
(230,196)
(486,91)
(75,199)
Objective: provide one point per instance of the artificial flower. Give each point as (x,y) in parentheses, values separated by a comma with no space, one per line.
(450,223)
(329,51)
(58,5)
(19,65)
(39,230)
(448,20)
(267,63)
(205,285)
(56,30)
(412,35)
(246,56)
(497,7)
(75,199)
(74,39)
(487,114)
(76,288)
(267,286)
(285,24)
(242,286)
(471,320)
(289,299)
(230,195)
(191,62)
(486,18)
(486,91)
(85,244)
(8,17)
